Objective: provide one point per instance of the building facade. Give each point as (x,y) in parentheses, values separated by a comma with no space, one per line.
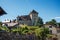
(52,29)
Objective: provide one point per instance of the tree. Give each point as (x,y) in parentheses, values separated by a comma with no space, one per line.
(39,22)
(52,22)
(58,24)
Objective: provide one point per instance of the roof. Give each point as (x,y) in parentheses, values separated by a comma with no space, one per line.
(10,24)
(25,17)
(7,21)
(33,12)
(2,12)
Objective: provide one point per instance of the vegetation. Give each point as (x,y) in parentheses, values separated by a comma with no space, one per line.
(39,22)
(40,32)
(52,22)
(58,24)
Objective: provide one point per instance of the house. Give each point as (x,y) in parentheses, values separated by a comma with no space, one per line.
(52,29)
(10,24)
(30,19)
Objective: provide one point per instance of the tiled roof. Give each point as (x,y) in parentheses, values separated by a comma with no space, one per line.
(25,17)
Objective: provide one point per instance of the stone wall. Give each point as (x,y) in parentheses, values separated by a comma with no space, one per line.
(16,36)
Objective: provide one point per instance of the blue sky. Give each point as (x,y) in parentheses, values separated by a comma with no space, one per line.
(47,9)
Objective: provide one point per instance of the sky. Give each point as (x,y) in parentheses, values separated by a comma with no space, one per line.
(47,9)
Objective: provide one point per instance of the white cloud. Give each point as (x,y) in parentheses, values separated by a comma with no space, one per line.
(57,17)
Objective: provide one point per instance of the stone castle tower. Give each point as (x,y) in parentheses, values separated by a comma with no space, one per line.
(34,17)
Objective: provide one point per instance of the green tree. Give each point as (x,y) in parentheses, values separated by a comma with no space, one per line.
(52,22)
(58,24)
(39,22)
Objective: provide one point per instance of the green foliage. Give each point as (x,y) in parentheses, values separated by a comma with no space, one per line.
(38,31)
(42,32)
(52,22)
(25,32)
(49,35)
(39,22)
(17,30)
(5,28)
(58,25)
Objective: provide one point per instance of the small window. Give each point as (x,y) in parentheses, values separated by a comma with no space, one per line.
(50,26)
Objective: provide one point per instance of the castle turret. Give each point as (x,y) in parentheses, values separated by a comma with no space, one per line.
(34,16)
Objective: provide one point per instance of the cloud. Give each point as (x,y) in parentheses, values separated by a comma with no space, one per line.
(57,17)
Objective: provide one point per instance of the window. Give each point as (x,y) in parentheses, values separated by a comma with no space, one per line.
(50,26)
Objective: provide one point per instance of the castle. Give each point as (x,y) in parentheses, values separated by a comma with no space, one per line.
(30,19)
